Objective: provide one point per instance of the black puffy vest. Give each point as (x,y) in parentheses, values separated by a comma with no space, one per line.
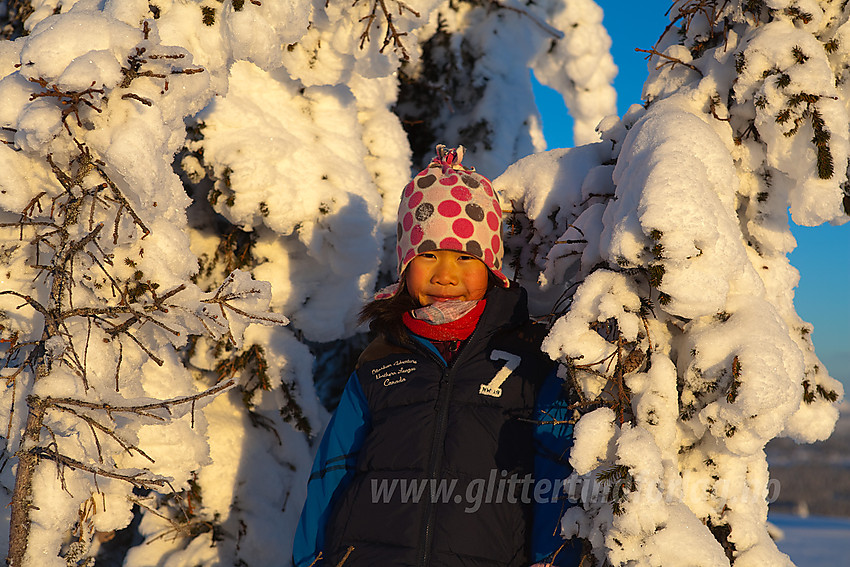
(456,426)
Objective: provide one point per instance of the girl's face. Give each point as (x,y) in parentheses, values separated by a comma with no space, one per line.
(446,275)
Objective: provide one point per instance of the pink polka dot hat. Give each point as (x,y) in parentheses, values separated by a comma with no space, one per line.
(447,206)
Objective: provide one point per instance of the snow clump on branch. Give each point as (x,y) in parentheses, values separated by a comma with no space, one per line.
(665,246)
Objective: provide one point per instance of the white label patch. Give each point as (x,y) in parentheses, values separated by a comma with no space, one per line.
(494,387)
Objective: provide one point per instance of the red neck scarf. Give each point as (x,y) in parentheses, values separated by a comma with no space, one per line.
(457,330)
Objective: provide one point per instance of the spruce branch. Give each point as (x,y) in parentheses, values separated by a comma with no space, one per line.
(29,210)
(118,364)
(802,106)
(621,483)
(797,14)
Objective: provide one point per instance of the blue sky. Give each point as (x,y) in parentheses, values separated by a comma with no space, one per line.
(823,253)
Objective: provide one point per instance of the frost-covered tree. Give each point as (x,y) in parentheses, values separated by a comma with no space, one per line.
(664,250)
(96,297)
(126,296)
(152,149)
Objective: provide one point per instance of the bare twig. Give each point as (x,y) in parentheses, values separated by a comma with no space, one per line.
(134,96)
(94,424)
(688,11)
(393,35)
(142,409)
(551,421)
(345,557)
(221,299)
(11,131)
(672,60)
(118,364)
(556,33)
(598,195)
(123,200)
(63,460)
(176,527)
(69,101)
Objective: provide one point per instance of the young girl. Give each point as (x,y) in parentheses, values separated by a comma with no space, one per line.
(449,445)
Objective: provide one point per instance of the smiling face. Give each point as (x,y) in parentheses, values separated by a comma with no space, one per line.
(446,275)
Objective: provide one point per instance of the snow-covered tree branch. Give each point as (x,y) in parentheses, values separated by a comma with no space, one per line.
(669,241)
(96,297)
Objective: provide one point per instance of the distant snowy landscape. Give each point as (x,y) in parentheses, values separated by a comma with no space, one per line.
(813,479)
(816,541)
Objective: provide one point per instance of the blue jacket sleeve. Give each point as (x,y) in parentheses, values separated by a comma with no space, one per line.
(332,471)
(553,437)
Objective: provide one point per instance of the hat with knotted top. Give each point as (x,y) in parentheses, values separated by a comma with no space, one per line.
(448,206)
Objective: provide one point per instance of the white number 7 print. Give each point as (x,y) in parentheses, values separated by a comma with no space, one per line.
(494,387)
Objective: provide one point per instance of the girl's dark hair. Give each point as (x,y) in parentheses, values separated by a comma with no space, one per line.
(384,315)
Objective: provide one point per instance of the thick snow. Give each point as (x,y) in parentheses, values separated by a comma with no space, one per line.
(582,68)
(291,120)
(90,149)
(658,250)
(676,282)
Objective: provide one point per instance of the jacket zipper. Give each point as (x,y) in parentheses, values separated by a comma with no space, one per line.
(435,461)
